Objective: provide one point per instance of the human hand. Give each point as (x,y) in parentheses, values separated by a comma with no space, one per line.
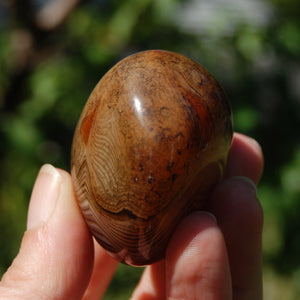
(223,260)
(59,259)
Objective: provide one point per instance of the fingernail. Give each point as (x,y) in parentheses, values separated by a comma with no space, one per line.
(247,180)
(44,196)
(207,213)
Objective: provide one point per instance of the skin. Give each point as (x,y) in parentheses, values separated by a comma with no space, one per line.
(205,258)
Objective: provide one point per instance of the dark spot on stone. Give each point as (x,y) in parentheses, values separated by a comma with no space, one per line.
(174,177)
(170,166)
(150,178)
(141,169)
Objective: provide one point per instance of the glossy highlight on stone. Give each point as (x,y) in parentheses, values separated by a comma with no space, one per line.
(149,147)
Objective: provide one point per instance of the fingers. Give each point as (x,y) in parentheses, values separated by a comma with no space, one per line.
(245,158)
(240,218)
(103,271)
(152,283)
(196,258)
(196,261)
(56,255)
(195,267)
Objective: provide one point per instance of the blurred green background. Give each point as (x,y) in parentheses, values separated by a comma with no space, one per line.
(51,57)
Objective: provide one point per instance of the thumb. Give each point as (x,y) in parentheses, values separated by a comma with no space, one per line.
(56,255)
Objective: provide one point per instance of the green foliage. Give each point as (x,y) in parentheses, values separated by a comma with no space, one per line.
(289,37)
(123,283)
(42,95)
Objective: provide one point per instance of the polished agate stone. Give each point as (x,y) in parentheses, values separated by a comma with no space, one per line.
(149,147)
